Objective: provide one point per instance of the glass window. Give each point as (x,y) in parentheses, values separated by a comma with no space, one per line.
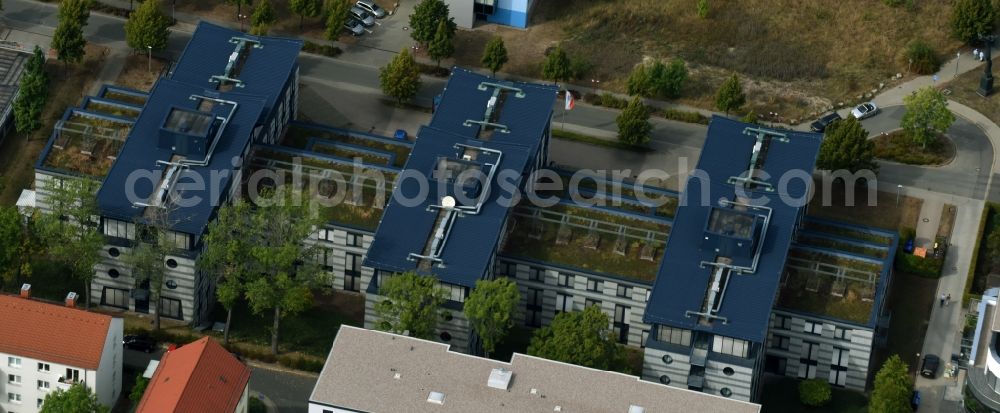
(354,240)
(674,335)
(13,361)
(14,398)
(43,385)
(119,229)
(842,333)
(115,297)
(782,321)
(624,291)
(506,269)
(43,367)
(171,308)
(536,274)
(564,303)
(812,328)
(565,280)
(590,301)
(731,346)
(455,292)
(780,342)
(593,285)
(13,379)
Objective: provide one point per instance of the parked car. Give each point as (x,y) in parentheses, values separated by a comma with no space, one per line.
(930,366)
(362,16)
(139,343)
(915,400)
(371,7)
(820,124)
(864,110)
(354,26)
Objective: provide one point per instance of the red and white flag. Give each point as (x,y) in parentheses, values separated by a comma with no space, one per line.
(570,102)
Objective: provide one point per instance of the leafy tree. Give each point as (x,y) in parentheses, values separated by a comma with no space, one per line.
(638,82)
(633,123)
(924,59)
(32,95)
(78,399)
(730,95)
(68,42)
(71,236)
(578,337)
(657,79)
(993,246)
(495,55)
(425,18)
(750,117)
(926,115)
(846,146)
(579,67)
(305,8)
(147,27)
(442,46)
(892,387)
(239,5)
(490,309)
(412,304)
(336,16)
(400,78)
(285,268)
(814,392)
(12,234)
(556,66)
(703,9)
(77,11)
(149,252)
(225,255)
(138,389)
(263,15)
(260,29)
(971,18)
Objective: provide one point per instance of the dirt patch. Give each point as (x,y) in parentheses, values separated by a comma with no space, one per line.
(19,152)
(140,73)
(884,212)
(964,90)
(947,221)
(898,146)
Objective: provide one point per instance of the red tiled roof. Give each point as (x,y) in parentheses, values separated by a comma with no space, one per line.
(52,332)
(198,377)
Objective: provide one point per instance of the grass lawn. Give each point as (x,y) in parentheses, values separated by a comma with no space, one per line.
(781,394)
(898,146)
(911,299)
(963,90)
(883,213)
(19,152)
(310,332)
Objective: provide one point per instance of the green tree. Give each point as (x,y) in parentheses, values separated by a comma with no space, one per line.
(893,387)
(78,399)
(490,310)
(703,9)
(305,8)
(263,14)
(993,246)
(12,234)
(971,18)
(633,123)
(68,231)
(77,11)
(260,29)
(336,16)
(730,95)
(138,389)
(400,78)
(846,146)
(149,252)
(425,18)
(239,5)
(32,95)
(639,81)
(442,46)
(495,55)
(814,392)
(556,66)
(667,80)
(147,28)
(225,256)
(921,57)
(411,304)
(285,269)
(579,337)
(68,42)
(926,115)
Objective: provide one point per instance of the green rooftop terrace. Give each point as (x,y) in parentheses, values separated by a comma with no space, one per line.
(589,239)
(301,135)
(615,193)
(86,144)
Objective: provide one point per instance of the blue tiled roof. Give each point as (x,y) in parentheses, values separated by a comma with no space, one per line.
(264,73)
(406,228)
(141,153)
(681,283)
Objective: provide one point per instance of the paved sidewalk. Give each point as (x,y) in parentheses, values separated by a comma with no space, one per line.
(114,63)
(930,218)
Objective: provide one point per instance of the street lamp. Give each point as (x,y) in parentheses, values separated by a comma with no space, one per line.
(596,83)
(243,19)
(910,66)
(899,191)
(958,56)
(149,59)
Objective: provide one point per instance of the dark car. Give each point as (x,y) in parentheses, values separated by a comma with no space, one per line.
(930,366)
(820,124)
(915,400)
(139,343)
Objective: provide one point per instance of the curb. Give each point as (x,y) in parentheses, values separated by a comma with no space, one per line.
(278,368)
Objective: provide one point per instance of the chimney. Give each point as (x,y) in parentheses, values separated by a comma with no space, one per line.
(26,290)
(71,300)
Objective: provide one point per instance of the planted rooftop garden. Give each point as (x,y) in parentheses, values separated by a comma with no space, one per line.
(113,109)
(616,194)
(589,239)
(135,99)
(829,284)
(337,142)
(86,144)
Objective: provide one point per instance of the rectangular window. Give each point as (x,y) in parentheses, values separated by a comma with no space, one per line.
(536,274)
(842,333)
(43,385)
(809,360)
(352,272)
(813,328)
(624,291)
(565,280)
(674,335)
(731,346)
(353,240)
(14,398)
(620,325)
(171,308)
(115,297)
(783,322)
(13,379)
(119,229)
(590,301)
(43,367)
(14,362)
(506,269)
(455,292)
(72,376)
(780,342)
(593,285)
(39,402)
(534,308)
(643,337)
(325,235)
(564,303)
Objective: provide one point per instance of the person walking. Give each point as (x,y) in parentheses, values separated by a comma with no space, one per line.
(947,300)
(941,300)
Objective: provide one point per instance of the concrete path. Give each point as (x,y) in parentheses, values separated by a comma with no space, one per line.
(114,63)
(930,218)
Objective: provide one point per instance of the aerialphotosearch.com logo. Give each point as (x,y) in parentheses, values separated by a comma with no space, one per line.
(371,186)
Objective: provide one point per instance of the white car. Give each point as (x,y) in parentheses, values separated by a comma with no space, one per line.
(371,7)
(864,110)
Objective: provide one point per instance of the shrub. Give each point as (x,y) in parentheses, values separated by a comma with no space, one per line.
(814,392)
(682,116)
(928,267)
(579,67)
(434,70)
(611,101)
(703,9)
(925,59)
(321,49)
(302,363)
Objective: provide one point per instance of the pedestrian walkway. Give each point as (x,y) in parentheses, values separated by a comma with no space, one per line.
(114,63)
(930,218)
